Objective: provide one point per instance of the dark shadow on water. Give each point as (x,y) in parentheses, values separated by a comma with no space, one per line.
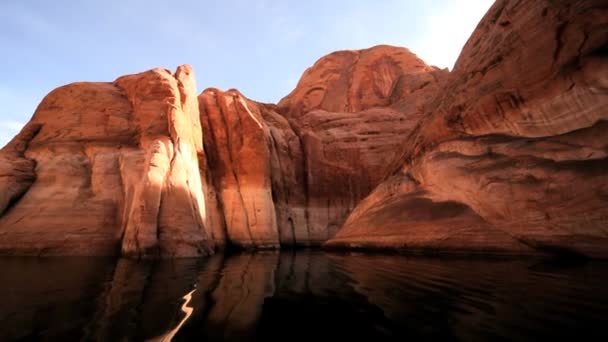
(301,295)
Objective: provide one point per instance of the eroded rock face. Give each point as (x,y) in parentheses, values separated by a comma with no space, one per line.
(108,167)
(355,80)
(16,171)
(506,154)
(239,155)
(512,156)
(144,167)
(285,175)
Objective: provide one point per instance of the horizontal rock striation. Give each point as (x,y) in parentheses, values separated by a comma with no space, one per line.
(511,158)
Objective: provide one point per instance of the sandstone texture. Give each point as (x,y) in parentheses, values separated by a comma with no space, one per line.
(373,149)
(105,168)
(143,167)
(355,80)
(512,155)
(288,174)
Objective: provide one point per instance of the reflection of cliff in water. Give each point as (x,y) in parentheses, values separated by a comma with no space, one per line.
(472,299)
(49,299)
(298,296)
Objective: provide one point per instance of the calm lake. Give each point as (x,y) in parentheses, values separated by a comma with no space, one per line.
(303,295)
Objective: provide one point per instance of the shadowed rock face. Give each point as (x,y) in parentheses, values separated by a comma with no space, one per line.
(512,155)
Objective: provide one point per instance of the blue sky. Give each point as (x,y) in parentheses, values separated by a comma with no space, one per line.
(259,47)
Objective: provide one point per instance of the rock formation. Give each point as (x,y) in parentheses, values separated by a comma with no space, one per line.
(127,167)
(512,156)
(373,148)
(105,167)
(352,81)
(235,138)
(289,174)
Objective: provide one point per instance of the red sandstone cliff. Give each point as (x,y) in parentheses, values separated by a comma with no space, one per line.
(289,174)
(512,157)
(144,167)
(107,167)
(373,148)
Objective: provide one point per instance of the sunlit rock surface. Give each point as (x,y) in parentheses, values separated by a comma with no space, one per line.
(105,167)
(373,149)
(512,156)
(289,174)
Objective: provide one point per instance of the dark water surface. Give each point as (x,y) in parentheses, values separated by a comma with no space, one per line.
(301,295)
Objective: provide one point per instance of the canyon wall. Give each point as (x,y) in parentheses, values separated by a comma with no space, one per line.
(288,174)
(372,149)
(107,169)
(143,167)
(512,157)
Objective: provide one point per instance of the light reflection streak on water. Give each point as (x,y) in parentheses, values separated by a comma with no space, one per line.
(187,310)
